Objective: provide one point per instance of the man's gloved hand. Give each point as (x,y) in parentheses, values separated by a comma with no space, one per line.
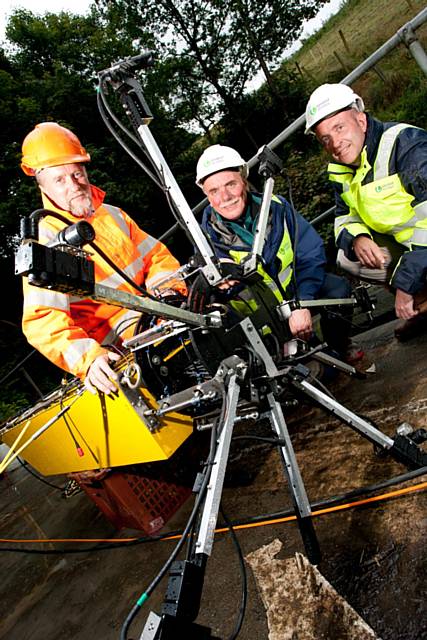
(231,269)
(232,272)
(100,375)
(202,294)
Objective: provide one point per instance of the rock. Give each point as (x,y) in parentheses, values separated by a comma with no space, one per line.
(300,603)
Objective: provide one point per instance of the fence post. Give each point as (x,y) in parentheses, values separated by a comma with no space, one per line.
(344,41)
(342,63)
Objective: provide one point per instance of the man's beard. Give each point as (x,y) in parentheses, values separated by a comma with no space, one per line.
(81,206)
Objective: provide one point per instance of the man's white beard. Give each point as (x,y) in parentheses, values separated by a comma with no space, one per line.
(81,208)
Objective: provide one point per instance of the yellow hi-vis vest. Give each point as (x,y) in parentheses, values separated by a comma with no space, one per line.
(285,254)
(383,204)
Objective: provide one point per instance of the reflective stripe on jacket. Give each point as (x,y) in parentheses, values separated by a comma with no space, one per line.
(69,330)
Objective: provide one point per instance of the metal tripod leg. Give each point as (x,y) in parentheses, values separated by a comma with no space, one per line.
(213,494)
(402,448)
(295,481)
(182,601)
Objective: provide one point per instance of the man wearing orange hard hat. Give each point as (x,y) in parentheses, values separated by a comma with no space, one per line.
(79,335)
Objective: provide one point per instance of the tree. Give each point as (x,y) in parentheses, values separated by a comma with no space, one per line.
(224,43)
(267,28)
(50,73)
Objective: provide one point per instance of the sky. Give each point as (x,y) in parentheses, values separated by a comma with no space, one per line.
(80,6)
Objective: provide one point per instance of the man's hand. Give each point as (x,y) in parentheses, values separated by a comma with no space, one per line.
(368,252)
(300,324)
(232,266)
(404,305)
(100,374)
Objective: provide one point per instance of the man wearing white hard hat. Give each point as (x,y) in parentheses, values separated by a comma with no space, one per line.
(230,221)
(379,172)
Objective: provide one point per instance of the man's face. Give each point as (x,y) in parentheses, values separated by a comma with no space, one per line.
(68,187)
(343,135)
(226,192)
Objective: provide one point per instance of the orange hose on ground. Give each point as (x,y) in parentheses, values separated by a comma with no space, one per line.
(320,512)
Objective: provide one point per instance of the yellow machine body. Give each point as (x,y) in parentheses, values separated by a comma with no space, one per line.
(111,431)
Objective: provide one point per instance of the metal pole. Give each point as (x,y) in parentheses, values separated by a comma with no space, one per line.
(209,269)
(408,37)
(364,66)
(416,50)
(323,216)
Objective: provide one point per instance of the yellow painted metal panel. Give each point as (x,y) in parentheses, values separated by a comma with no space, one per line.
(111,430)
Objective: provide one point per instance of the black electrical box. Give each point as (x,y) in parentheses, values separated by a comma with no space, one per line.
(55,268)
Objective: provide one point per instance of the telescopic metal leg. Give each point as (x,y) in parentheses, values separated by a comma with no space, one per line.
(214,491)
(181,605)
(401,448)
(295,481)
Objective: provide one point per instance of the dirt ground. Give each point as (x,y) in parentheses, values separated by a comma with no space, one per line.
(373,554)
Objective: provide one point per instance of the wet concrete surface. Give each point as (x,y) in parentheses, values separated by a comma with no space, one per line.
(373,554)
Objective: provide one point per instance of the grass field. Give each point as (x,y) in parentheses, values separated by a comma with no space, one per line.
(360,27)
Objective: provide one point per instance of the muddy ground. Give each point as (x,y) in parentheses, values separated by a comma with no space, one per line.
(373,555)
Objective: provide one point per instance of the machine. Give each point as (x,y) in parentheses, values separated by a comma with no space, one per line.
(205,365)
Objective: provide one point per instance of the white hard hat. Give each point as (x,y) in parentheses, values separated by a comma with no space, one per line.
(218,158)
(327,100)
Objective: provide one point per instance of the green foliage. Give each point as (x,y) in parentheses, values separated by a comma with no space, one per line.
(24,373)
(50,74)
(12,403)
(217,47)
(402,98)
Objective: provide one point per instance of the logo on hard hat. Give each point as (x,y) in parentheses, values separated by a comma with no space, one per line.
(313,110)
(210,161)
(378,189)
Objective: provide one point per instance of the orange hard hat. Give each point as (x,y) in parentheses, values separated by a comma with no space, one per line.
(50,145)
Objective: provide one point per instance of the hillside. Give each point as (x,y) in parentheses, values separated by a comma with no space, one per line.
(349,37)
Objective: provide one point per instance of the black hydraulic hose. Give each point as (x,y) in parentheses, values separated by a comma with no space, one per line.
(121,273)
(112,115)
(339,499)
(157,177)
(104,109)
(317,504)
(35,475)
(242,566)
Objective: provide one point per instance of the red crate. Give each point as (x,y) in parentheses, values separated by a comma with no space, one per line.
(145,496)
(136,502)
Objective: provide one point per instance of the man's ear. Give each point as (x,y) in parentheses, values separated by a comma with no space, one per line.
(41,189)
(362,120)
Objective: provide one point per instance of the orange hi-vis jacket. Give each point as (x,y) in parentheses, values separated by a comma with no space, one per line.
(69,330)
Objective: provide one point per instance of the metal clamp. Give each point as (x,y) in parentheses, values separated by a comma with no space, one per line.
(132,375)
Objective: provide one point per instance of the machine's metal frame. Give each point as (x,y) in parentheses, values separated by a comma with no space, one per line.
(233,371)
